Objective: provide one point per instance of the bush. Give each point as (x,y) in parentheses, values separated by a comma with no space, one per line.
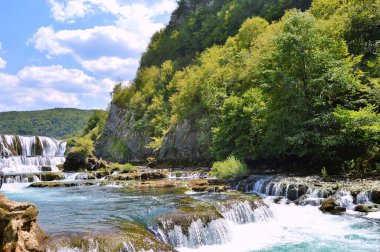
(324,173)
(229,169)
(124,168)
(84,146)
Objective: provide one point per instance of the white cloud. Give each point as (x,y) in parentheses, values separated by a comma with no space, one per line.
(60,78)
(86,43)
(8,81)
(112,65)
(45,41)
(68,10)
(36,87)
(119,45)
(3,63)
(62,11)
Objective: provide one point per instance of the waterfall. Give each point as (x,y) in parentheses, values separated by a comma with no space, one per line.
(199,234)
(23,154)
(345,199)
(305,193)
(363,198)
(210,232)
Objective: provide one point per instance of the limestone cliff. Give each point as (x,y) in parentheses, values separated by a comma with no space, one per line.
(121,142)
(18,227)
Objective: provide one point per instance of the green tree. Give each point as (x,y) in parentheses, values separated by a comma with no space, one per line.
(308,74)
(240,127)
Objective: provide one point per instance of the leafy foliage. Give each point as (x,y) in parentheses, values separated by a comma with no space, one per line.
(301,91)
(84,143)
(84,146)
(199,24)
(229,169)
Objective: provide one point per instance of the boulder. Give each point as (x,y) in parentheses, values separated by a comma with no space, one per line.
(367,208)
(75,162)
(51,176)
(145,175)
(61,184)
(330,206)
(375,196)
(18,227)
(188,211)
(46,169)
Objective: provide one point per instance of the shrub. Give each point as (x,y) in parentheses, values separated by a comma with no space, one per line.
(124,168)
(229,169)
(324,173)
(84,146)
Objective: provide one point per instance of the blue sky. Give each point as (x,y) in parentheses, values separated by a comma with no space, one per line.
(70,53)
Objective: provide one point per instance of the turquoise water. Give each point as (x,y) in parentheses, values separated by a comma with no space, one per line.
(94,208)
(292,228)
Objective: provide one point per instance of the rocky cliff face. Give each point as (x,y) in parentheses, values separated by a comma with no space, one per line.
(18,227)
(121,142)
(181,146)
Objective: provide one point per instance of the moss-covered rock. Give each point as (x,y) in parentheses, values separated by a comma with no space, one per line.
(367,208)
(155,184)
(75,161)
(37,147)
(139,175)
(18,227)
(52,176)
(188,211)
(292,192)
(205,185)
(375,196)
(46,169)
(330,206)
(130,237)
(61,184)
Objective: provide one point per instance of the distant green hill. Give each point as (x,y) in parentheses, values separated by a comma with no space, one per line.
(59,123)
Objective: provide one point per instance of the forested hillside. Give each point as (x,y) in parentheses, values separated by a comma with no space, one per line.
(59,123)
(198,24)
(299,91)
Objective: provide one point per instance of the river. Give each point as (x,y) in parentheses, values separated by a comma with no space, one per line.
(288,227)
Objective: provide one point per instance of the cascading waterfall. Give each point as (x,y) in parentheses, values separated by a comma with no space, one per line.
(307,194)
(23,154)
(199,234)
(217,231)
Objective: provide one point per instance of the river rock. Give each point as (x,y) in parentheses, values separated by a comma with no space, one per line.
(61,184)
(131,237)
(376,196)
(144,175)
(51,176)
(18,227)
(188,211)
(74,162)
(330,206)
(367,208)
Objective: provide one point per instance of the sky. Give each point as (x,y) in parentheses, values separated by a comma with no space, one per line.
(70,53)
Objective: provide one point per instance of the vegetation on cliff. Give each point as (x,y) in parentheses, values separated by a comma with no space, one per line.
(301,91)
(81,146)
(199,24)
(58,123)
